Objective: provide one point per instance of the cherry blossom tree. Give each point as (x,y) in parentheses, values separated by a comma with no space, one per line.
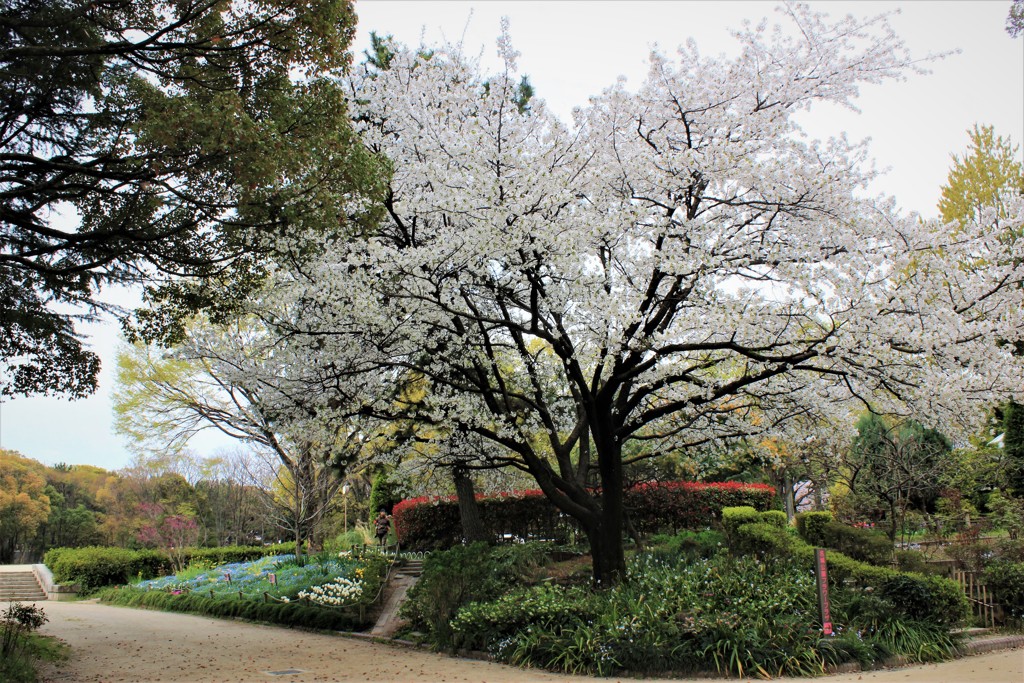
(680,267)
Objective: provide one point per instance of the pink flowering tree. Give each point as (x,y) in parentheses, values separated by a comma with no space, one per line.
(172,533)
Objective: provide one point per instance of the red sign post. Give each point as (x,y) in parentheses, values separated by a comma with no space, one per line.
(821,571)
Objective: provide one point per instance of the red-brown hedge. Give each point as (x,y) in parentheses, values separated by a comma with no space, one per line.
(433,522)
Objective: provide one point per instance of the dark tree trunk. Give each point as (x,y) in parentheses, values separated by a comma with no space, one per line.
(606,537)
(469,512)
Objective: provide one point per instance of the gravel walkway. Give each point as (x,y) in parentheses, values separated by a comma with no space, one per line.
(112,644)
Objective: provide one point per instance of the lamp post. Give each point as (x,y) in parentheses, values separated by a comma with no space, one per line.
(344,498)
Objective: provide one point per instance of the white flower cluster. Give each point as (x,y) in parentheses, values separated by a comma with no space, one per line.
(337,593)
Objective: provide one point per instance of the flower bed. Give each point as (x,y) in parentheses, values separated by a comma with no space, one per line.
(279,577)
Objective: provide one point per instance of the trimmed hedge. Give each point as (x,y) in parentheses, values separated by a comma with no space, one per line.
(810,525)
(684,505)
(95,567)
(431,523)
(286,614)
(866,545)
(933,599)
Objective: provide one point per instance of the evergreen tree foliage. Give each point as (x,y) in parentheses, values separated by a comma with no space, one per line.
(143,142)
(1013,446)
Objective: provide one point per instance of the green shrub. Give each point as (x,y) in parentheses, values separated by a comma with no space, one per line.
(810,526)
(95,567)
(915,561)
(451,579)
(866,545)
(932,599)
(1006,581)
(735,517)
(776,518)
(688,545)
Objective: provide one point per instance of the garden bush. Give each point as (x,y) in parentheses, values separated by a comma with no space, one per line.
(867,545)
(776,518)
(95,567)
(456,577)
(931,599)
(689,545)
(432,523)
(1006,582)
(810,526)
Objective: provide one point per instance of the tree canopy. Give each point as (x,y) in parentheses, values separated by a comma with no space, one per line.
(681,267)
(989,176)
(172,144)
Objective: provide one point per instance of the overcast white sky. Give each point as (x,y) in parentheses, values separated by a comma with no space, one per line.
(572,50)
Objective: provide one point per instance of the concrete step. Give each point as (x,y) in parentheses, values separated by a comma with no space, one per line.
(23,584)
(20,586)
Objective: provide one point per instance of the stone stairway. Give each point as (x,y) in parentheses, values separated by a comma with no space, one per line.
(404,578)
(20,586)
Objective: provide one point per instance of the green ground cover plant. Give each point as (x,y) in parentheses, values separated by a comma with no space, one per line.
(734,615)
(741,602)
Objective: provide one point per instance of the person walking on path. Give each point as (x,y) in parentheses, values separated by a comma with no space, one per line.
(382,525)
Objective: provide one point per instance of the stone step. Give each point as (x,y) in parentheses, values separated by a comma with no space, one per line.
(20,586)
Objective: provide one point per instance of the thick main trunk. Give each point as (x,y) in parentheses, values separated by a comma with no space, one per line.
(609,559)
(469,512)
(606,536)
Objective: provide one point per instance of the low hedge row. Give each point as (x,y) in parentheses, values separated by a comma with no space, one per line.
(283,613)
(933,599)
(430,523)
(821,531)
(95,567)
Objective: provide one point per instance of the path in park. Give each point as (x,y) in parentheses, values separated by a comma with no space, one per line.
(112,644)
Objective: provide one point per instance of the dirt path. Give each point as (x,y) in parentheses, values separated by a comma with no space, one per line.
(112,644)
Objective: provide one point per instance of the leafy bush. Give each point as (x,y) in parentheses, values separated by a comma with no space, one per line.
(915,561)
(931,599)
(735,517)
(451,580)
(20,648)
(776,518)
(456,577)
(866,545)
(810,526)
(688,545)
(1006,581)
(95,567)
